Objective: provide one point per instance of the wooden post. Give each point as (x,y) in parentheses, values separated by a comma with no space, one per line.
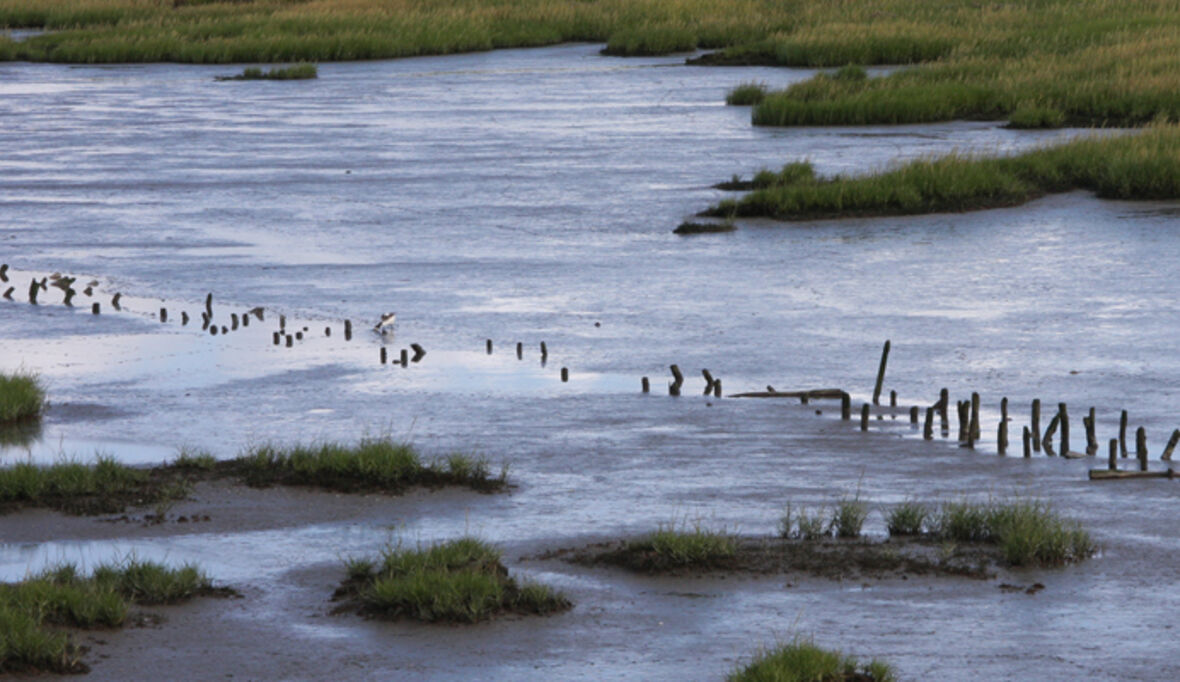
(544,353)
(348,330)
(1061,410)
(8,293)
(94,308)
(245,319)
(678,378)
(1002,437)
(1123,433)
(645,384)
(213,330)
(944,398)
(1036,424)
(964,408)
(384,355)
(864,417)
(488,346)
(519,350)
(276,338)
(233,319)
(673,388)
(845,406)
(163,314)
(204,321)
(975,432)
(183,318)
(404,357)
(282,321)
(928,428)
(914,415)
(327,331)
(298,335)
(1091,436)
(1004,408)
(34,287)
(1167,456)
(290,340)
(881,374)
(1027,437)
(419,352)
(209,304)
(1141,447)
(717,388)
(893,399)
(565,374)
(708,381)
(1047,441)
(115,300)
(1113,464)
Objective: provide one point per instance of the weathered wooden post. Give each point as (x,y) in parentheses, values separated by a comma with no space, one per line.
(717,388)
(327,331)
(519,350)
(183,318)
(276,338)
(893,399)
(1047,441)
(1064,412)
(384,355)
(94,308)
(213,330)
(845,406)
(488,346)
(419,352)
(233,321)
(881,374)
(678,378)
(565,374)
(245,319)
(975,431)
(914,415)
(1002,437)
(1026,435)
(1167,456)
(298,335)
(115,300)
(1036,424)
(34,288)
(944,398)
(348,330)
(864,417)
(645,384)
(1123,433)
(290,340)
(1141,447)
(8,293)
(928,428)
(544,353)
(404,356)
(1091,435)
(209,304)
(708,381)
(964,408)
(1113,464)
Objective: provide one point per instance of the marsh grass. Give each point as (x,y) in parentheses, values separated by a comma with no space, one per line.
(31,611)
(690,228)
(74,487)
(1027,532)
(849,517)
(1144,165)
(373,464)
(746,94)
(672,547)
(907,518)
(803,661)
(460,581)
(296,72)
(22,398)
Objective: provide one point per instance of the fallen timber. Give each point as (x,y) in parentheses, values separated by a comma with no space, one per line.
(816,393)
(1106,474)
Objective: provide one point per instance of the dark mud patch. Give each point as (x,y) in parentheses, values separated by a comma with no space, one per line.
(832,559)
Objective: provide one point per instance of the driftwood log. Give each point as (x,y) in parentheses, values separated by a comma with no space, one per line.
(813,394)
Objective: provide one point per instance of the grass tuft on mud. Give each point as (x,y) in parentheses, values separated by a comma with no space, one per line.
(22,398)
(286,73)
(77,488)
(1144,166)
(33,611)
(803,661)
(746,94)
(460,581)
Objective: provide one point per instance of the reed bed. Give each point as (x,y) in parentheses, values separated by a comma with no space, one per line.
(803,661)
(22,397)
(1144,165)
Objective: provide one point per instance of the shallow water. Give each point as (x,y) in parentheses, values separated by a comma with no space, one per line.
(528,196)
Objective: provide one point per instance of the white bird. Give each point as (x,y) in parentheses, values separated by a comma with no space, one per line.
(385,326)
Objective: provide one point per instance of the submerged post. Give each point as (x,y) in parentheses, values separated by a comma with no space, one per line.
(881,374)
(488,346)
(1036,424)
(864,417)
(544,353)
(1047,441)
(384,355)
(717,388)
(964,408)
(1002,437)
(183,318)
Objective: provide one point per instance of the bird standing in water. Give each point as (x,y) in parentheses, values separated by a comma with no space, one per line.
(385,326)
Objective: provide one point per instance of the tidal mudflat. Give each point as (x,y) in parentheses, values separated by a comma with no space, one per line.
(526,196)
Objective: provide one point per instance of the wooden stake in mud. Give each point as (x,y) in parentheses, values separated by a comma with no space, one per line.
(327,331)
(94,308)
(1123,433)
(488,346)
(163,314)
(845,406)
(976,434)
(519,350)
(1027,437)
(1113,464)
(115,300)
(1141,447)
(276,338)
(209,304)
(544,353)
(678,378)
(204,321)
(348,330)
(34,287)
(290,340)
(645,384)
(69,297)
(1064,412)
(1036,424)
(403,358)
(881,374)
(944,399)
(1091,436)
(964,407)
(1002,438)
(419,352)
(717,388)
(183,318)
(893,399)
(282,322)
(864,417)
(928,428)
(213,331)
(245,319)
(565,373)
(233,320)
(914,415)
(384,355)
(1047,441)
(708,381)
(1167,456)
(8,293)
(4,272)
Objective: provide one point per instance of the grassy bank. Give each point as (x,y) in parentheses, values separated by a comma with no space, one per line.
(803,661)
(106,486)
(461,581)
(21,397)
(33,611)
(1145,165)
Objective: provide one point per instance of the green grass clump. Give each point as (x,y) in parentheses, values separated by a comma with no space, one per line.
(1027,532)
(458,581)
(803,661)
(371,464)
(193,460)
(804,524)
(22,397)
(699,547)
(851,72)
(849,517)
(32,611)
(296,72)
(907,518)
(1144,166)
(746,94)
(71,486)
